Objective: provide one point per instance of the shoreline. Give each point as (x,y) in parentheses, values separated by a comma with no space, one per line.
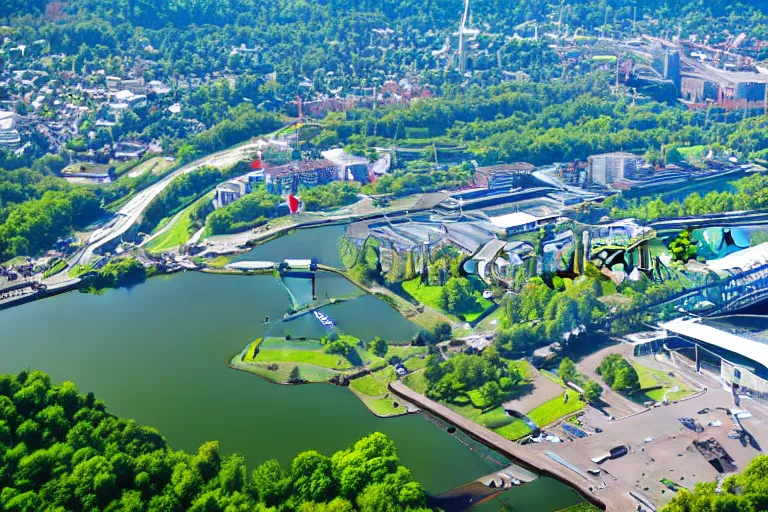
(240,366)
(515,452)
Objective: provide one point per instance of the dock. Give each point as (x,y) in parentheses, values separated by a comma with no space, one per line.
(612,498)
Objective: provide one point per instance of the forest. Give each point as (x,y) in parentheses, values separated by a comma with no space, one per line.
(63,450)
(750,193)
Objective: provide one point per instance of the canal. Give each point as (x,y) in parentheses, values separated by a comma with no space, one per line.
(156,353)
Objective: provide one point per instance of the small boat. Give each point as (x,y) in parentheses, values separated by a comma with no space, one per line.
(324,319)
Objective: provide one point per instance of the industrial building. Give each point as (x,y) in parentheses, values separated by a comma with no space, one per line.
(232,190)
(351,167)
(286,179)
(612,167)
(743,360)
(520,222)
(501,177)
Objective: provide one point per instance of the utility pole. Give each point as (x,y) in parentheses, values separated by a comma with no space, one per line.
(634,20)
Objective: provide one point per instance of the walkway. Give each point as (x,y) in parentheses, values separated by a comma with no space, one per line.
(612,498)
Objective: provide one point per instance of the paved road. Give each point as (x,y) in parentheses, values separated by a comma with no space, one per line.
(131,212)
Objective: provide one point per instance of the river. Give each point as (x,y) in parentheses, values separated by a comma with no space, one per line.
(156,353)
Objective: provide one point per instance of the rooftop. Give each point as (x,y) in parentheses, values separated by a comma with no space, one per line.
(746,259)
(617,154)
(694,329)
(512,220)
(339,156)
(294,167)
(513,167)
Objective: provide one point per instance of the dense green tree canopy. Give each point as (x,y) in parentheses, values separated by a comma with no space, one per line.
(61,450)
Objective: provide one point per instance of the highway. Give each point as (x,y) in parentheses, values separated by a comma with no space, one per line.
(131,212)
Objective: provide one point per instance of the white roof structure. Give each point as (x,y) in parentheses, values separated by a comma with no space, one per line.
(513,220)
(298,263)
(748,258)
(694,329)
(124,95)
(6,120)
(341,157)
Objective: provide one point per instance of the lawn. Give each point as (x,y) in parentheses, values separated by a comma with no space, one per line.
(283,372)
(417,382)
(179,231)
(79,270)
(58,267)
(415,363)
(514,430)
(692,153)
(582,507)
(496,418)
(369,385)
(303,356)
(157,165)
(404,351)
(650,378)
(383,406)
(219,261)
(555,409)
(430,296)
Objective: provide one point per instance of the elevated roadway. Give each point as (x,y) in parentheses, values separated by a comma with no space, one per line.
(131,212)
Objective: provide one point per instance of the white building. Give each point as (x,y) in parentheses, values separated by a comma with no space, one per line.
(231,191)
(9,136)
(520,222)
(612,167)
(351,167)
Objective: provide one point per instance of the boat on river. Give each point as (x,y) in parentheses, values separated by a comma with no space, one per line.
(324,319)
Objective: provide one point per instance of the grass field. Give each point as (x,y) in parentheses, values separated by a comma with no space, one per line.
(219,261)
(405,351)
(430,296)
(415,363)
(58,267)
(283,372)
(694,154)
(316,358)
(157,166)
(417,382)
(672,387)
(369,385)
(514,430)
(383,406)
(180,229)
(555,409)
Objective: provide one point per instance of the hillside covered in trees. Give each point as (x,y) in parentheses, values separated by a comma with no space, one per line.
(62,450)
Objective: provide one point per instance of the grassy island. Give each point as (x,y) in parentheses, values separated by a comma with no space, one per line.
(367,368)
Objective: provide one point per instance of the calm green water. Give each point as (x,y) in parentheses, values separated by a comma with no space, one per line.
(156,353)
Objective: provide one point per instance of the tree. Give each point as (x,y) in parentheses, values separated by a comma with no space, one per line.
(682,247)
(186,153)
(592,392)
(568,372)
(458,296)
(378,346)
(490,393)
(618,373)
(442,332)
(295,376)
(97,461)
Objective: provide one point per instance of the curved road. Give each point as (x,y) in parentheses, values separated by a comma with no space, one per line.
(131,212)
